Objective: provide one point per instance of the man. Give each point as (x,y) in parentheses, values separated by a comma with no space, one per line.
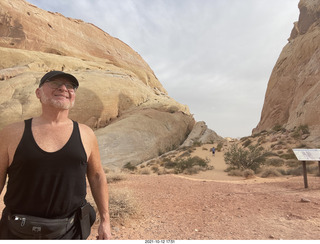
(213,150)
(47,159)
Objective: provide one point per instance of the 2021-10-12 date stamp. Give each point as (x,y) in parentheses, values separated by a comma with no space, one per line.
(160,241)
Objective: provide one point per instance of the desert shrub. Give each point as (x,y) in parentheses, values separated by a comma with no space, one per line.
(301,130)
(242,139)
(294,171)
(181,164)
(197,143)
(289,155)
(302,146)
(270,154)
(145,171)
(262,140)
(248,173)
(264,132)
(105,169)
(292,163)
(169,164)
(219,146)
(297,171)
(155,168)
(115,177)
(240,158)
(129,166)
(275,162)
(271,172)
(235,172)
(313,169)
(164,171)
(277,128)
(190,162)
(185,154)
(122,205)
(246,143)
(193,170)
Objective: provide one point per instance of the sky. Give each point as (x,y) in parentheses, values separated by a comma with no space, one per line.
(216,56)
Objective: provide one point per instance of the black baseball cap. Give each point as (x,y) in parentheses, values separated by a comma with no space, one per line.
(54,74)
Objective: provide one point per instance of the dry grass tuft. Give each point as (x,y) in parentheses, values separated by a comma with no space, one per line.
(115,177)
(122,205)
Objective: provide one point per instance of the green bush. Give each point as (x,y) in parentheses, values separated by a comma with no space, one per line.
(289,155)
(197,144)
(235,172)
(275,162)
(240,158)
(219,146)
(248,173)
(302,129)
(247,143)
(129,166)
(270,173)
(181,164)
(278,128)
(115,177)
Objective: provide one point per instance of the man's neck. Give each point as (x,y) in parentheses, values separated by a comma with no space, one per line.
(54,117)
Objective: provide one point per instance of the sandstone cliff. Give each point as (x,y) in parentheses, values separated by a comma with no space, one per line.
(119,95)
(292,97)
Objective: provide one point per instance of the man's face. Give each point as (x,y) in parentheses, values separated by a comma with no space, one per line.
(58,93)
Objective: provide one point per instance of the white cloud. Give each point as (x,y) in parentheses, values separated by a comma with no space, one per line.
(216,56)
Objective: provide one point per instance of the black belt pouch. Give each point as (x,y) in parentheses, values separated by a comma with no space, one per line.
(86,217)
(30,227)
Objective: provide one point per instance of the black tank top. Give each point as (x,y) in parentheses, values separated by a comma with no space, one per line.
(45,184)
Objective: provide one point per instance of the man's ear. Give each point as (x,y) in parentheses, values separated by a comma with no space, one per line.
(38,93)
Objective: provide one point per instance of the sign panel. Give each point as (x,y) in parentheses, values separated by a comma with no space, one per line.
(303,154)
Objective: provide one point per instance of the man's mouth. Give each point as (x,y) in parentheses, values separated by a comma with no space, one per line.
(60,95)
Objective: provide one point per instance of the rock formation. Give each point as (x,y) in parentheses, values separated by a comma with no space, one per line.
(119,95)
(292,98)
(201,133)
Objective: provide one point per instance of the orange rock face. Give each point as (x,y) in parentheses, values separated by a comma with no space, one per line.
(292,97)
(24,26)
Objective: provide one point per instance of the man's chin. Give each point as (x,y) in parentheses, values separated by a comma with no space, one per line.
(62,106)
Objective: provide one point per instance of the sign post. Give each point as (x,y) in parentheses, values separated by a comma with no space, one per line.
(307,155)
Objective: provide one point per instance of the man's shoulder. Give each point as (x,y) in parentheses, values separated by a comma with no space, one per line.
(11,134)
(86,130)
(12,129)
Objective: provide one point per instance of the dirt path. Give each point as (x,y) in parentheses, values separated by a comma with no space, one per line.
(175,208)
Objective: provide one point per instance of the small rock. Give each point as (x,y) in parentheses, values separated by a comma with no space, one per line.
(305,200)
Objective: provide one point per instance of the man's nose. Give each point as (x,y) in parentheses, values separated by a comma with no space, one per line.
(63,87)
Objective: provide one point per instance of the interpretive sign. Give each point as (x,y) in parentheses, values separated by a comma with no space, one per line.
(304,155)
(307,154)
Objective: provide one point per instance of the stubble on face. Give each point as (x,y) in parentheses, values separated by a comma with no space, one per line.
(44,99)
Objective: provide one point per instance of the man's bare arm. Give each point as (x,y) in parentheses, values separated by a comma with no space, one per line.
(4,158)
(10,137)
(99,188)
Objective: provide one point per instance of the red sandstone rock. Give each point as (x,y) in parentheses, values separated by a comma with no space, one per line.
(292,96)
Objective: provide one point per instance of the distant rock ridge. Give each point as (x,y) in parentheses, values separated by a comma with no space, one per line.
(119,95)
(202,134)
(292,96)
